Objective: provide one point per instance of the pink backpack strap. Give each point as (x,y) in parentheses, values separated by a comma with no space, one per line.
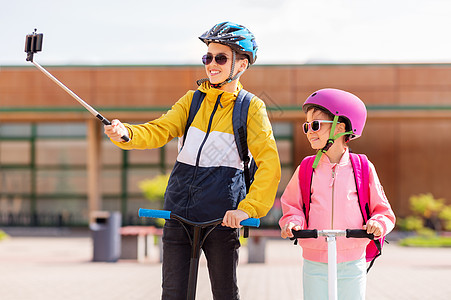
(362,181)
(362,173)
(305,183)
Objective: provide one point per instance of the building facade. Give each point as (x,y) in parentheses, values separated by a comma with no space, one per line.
(56,166)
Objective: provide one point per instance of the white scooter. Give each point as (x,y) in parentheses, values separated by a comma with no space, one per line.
(331,238)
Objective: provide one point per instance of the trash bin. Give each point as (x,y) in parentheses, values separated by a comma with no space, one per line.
(256,249)
(106,236)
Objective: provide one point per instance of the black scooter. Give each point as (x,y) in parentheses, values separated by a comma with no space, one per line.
(196,240)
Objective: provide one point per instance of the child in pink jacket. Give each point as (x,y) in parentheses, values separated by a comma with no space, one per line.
(333,118)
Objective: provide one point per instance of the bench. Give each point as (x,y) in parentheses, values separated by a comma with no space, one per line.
(256,243)
(137,241)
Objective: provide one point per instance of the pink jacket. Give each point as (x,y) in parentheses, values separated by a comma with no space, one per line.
(335,206)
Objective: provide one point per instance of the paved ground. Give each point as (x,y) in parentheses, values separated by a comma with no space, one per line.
(61,268)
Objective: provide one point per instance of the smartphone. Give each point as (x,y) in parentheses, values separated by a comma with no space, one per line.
(33,42)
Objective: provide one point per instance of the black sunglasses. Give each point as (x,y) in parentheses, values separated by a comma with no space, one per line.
(220,59)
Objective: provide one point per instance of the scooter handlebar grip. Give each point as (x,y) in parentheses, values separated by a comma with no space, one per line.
(251,222)
(154,213)
(359,234)
(305,234)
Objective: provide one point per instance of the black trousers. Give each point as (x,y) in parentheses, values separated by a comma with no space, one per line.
(221,251)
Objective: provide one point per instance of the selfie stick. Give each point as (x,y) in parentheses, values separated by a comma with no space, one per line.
(33,44)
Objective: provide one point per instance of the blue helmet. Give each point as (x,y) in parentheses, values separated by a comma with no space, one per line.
(237,37)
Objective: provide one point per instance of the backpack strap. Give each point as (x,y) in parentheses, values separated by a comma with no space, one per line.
(198,97)
(361,169)
(305,183)
(239,121)
(361,174)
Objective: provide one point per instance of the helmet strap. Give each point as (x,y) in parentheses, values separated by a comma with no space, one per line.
(233,66)
(330,141)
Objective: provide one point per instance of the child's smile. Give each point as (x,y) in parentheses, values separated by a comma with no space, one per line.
(313,139)
(214,73)
(318,139)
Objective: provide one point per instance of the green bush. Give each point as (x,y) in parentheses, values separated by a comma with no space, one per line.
(445,215)
(3,235)
(421,241)
(427,233)
(154,189)
(426,205)
(430,216)
(428,212)
(411,223)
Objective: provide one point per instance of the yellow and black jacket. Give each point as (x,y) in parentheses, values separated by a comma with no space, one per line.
(207,179)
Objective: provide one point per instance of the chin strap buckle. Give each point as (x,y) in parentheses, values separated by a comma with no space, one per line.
(329,144)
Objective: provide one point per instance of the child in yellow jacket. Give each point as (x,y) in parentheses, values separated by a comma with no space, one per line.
(207,180)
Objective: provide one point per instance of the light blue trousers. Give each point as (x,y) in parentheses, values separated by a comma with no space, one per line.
(351,280)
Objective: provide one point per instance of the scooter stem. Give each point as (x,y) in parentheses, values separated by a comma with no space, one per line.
(332,266)
(194,264)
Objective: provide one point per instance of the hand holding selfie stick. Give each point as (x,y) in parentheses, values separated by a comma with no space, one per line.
(33,44)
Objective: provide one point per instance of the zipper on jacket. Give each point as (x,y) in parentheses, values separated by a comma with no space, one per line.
(333,192)
(218,102)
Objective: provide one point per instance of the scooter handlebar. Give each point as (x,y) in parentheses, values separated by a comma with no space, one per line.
(305,234)
(359,234)
(154,213)
(349,233)
(251,222)
(165,214)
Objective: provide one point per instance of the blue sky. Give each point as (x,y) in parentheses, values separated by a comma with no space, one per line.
(102,32)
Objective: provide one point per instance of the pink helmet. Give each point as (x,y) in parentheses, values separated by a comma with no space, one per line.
(340,103)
